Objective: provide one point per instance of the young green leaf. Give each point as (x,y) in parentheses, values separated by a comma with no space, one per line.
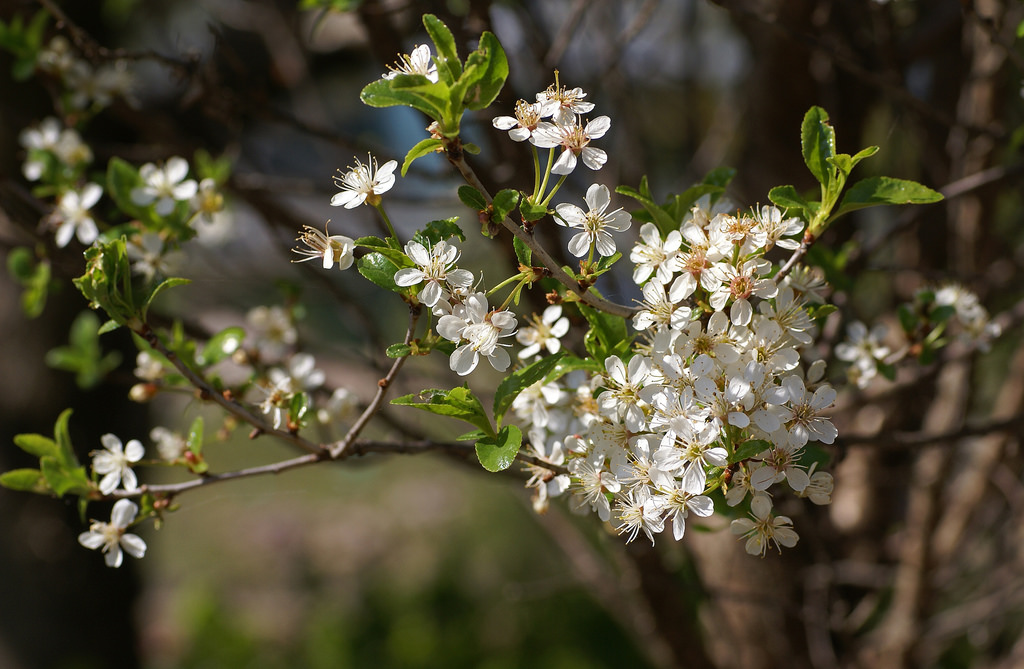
(422,148)
(379,270)
(818,143)
(497,453)
(520,380)
(458,403)
(885,190)
(749,449)
(25,480)
(449,67)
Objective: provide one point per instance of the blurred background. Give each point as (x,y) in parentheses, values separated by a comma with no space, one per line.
(428,561)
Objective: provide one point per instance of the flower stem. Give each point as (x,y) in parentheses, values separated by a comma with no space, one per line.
(387,221)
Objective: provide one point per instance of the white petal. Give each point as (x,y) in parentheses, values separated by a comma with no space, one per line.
(92,540)
(123,513)
(592,158)
(409,276)
(565,164)
(579,245)
(463,360)
(133,545)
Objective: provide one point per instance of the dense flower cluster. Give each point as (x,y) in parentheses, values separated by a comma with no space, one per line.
(648,439)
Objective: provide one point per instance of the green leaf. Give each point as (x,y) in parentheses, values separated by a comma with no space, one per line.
(818,144)
(523,252)
(383,93)
(449,67)
(379,270)
(472,435)
(195,437)
(436,231)
(33,277)
(608,335)
(497,453)
(788,198)
(458,403)
(472,198)
(221,345)
(298,408)
(666,222)
(161,287)
(485,74)
(122,177)
(63,479)
(504,202)
(65,451)
(398,350)
(749,449)
(422,148)
(84,355)
(25,480)
(875,191)
(531,211)
(908,320)
(36,444)
(519,380)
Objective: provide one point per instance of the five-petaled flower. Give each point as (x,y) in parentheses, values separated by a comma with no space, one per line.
(112,538)
(166,186)
(574,139)
(73,217)
(545,331)
(595,223)
(477,330)
(435,269)
(115,462)
(364,183)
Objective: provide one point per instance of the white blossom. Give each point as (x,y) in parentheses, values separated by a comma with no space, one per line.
(73,217)
(595,224)
(477,330)
(545,332)
(114,463)
(364,183)
(330,250)
(112,538)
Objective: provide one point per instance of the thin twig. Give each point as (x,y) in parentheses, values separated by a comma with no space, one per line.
(208,392)
(337,450)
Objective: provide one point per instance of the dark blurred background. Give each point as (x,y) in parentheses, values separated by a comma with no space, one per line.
(425,562)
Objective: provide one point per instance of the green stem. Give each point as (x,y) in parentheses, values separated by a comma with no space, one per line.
(387,221)
(539,193)
(555,190)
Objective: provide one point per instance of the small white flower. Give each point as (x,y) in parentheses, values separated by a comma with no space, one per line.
(435,269)
(521,126)
(148,367)
(341,406)
(653,256)
(544,332)
(417,62)
(115,462)
(477,330)
(73,216)
(864,350)
(563,104)
(146,251)
(638,510)
(764,529)
(330,250)
(595,224)
(170,445)
(574,140)
(112,538)
(364,183)
(271,331)
(208,201)
(776,229)
(803,415)
(166,186)
(277,395)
